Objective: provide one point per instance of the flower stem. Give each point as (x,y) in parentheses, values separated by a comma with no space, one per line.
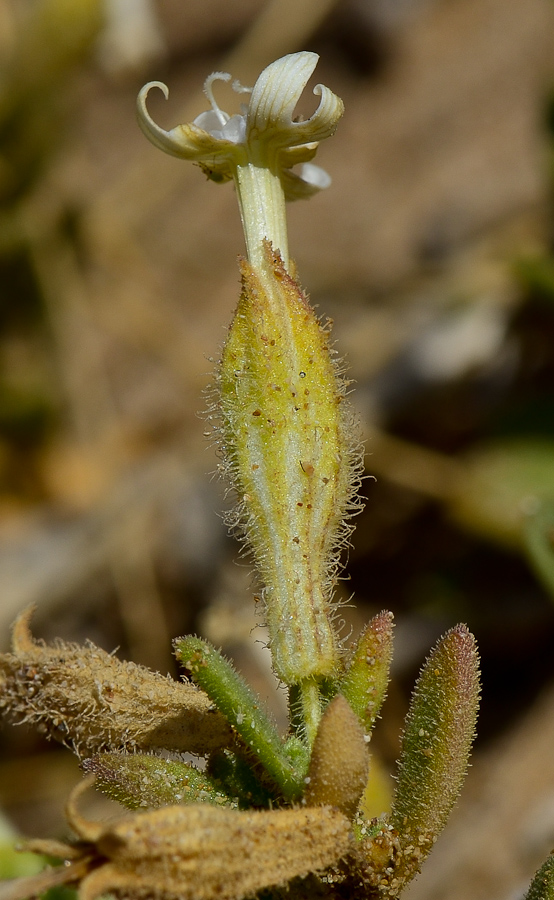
(262,210)
(305,704)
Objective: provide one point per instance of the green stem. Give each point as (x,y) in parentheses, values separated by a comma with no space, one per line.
(262,210)
(306,699)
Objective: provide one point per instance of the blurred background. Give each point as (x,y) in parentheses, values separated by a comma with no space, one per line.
(432,252)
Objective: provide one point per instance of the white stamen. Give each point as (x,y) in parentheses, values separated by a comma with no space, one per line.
(216,76)
(240,88)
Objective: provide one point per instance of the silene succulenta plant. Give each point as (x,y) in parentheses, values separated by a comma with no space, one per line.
(268,815)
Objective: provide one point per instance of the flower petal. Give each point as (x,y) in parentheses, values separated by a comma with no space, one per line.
(324,121)
(274,99)
(305,183)
(185,141)
(293,156)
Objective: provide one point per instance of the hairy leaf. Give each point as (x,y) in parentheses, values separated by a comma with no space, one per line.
(439,731)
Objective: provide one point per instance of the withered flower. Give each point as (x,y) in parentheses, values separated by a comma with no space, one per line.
(192,852)
(92,701)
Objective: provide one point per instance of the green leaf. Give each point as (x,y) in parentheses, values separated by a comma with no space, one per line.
(238,778)
(542,886)
(439,731)
(499,483)
(242,708)
(15,864)
(367,676)
(141,781)
(539,543)
(536,273)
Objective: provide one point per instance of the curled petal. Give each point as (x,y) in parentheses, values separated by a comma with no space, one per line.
(278,90)
(274,99)
(324,121)
(185,141)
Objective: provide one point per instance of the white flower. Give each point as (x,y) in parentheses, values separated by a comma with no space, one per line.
(258,147)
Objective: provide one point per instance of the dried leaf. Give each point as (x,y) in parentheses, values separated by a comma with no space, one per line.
(35,885)
(200,852)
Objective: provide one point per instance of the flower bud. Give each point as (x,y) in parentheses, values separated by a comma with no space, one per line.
(339,766)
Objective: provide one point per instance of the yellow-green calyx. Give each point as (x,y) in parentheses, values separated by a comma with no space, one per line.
(258,147)
(287,435)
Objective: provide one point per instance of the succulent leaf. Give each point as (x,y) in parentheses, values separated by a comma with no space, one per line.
(542,886)
(238,778)
(367,676)
(140,781)
(436,744)
(241,707)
